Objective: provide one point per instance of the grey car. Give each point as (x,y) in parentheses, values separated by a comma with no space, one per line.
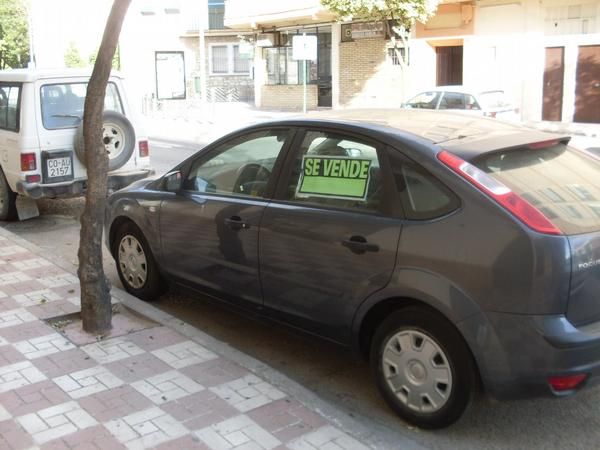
(455,253)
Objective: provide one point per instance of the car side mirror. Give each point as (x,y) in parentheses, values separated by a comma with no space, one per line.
(173,181)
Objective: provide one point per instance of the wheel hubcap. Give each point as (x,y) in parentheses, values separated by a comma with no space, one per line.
(132,262)
(417,371)
(113,138)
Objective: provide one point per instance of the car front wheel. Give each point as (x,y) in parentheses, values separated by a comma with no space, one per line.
(423,368)
(135,263)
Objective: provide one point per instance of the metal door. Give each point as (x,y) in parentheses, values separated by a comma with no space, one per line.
(587,90)
(553,84)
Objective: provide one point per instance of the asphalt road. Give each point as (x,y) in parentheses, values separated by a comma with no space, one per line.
(333,373)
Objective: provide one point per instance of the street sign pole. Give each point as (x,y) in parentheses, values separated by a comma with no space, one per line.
(305,90)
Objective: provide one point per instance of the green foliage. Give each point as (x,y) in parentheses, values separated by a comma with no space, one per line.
(116,61)
(14,37)
(73,57)
(404,12)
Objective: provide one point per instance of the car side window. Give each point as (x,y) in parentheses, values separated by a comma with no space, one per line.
(422,195)
(425,100)
(452,100)
(9,107)
(240,167)
(337,171)
(471,103)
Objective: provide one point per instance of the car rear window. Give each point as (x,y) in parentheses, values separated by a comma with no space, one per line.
(563,183)
(62,104)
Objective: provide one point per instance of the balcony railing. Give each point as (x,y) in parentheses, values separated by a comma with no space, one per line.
(244,13)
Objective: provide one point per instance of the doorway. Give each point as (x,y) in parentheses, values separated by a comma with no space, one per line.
(587,88)
(553,84)
(449,65)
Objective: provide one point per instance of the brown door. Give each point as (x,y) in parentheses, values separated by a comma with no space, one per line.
(587,89)
(553,84)
(449,65)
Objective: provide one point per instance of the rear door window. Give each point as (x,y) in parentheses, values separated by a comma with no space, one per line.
(425,100)
(10,96)
(563,183)
(62,104)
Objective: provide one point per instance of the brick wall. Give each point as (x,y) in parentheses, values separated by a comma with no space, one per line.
(367,76)
(282,96)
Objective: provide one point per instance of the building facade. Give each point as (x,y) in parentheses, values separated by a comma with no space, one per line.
(544,54)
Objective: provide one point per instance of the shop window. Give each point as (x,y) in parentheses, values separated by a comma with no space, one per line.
(227,59)
(283,69)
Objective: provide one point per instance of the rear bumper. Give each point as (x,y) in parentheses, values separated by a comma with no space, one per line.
(517,353)
(78,187)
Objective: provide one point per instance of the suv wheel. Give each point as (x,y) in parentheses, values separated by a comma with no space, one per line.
(118,137)
(423,368)
(8,199)
(135,263)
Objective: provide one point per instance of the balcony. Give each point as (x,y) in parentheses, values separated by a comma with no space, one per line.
(244,14)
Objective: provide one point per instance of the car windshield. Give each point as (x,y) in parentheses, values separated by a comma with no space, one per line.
(493,100)
(425,100)
(62,104)
(563,183)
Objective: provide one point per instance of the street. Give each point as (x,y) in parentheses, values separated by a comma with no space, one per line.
(332,373)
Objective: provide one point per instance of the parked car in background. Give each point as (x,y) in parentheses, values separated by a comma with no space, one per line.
(493,103)
(451,251)
(41,136)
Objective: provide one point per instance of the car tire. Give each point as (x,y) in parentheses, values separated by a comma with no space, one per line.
(119,139)
(8,200)
(136,266)
(423,367)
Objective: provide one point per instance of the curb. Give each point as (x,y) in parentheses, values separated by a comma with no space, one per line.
(362,428)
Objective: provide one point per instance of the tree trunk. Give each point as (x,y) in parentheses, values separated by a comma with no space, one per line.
(96,311)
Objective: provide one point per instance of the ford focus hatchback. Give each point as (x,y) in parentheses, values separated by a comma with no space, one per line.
(455,253)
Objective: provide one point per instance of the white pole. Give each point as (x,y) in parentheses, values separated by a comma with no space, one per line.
(31,63)
(304,79)
(202,54)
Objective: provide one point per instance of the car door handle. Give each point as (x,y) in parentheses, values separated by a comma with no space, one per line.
(236,223)
(359,245)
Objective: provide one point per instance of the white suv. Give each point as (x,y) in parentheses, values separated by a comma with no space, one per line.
(41,138)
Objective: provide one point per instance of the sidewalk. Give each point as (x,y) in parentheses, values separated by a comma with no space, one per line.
(154,382)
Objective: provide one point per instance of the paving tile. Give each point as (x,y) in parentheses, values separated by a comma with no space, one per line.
(7,303)
(13,277)
(32,298)
(14,317)
(138,367)
(184,354)
(8,355)
(167,386)
(155,338)
(326,438)
(14,437)
(63,363)
(114,403)
(33,263)
(91,438)
(237,432)
(11,250)
(215,372)
(286,419)
(25,331)
(147,428)
(56,422)
(200,410)
(186,442)
(4,414)
(58,280)
(247,393)
(19,374)
(43,345)
(54,309)
(32,397)
(87,382)
(112,350)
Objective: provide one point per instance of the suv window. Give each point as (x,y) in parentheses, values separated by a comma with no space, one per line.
(425,100)
(9,107)
(242,166)
(62,104)
(338,171)
(423,196)
(559,181)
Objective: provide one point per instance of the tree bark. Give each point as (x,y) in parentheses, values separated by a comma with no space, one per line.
(96,311)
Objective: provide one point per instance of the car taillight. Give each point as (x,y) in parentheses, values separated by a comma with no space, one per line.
(543,144)
(491,114)
(28,162)
(33,178)
(144,149)
(566,383)
(512,202)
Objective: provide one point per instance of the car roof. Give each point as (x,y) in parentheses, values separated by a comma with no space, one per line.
(459,89)
(31,75)
(466,135)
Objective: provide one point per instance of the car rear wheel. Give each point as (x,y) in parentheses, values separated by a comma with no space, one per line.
(8,200)
(135,263)
(423,368)
(118,137)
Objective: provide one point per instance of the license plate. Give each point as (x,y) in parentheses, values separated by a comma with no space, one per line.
(59,167)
